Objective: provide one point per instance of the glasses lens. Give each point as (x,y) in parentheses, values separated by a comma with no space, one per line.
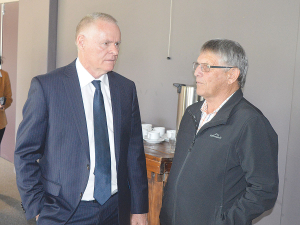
(195,65)
(205,67)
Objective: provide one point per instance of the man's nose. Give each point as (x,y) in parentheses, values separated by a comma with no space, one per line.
(114,49)
(198,71)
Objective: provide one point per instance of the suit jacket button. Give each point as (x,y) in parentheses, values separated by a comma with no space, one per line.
(88,166)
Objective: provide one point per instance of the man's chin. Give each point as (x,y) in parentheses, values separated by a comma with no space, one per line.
(199,91)
(110,66)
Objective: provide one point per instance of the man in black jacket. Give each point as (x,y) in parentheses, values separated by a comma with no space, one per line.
(225,169)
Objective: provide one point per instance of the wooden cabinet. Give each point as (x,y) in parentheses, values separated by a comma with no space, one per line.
(158,160)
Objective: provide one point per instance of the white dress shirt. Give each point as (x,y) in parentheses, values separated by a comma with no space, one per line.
(87,91)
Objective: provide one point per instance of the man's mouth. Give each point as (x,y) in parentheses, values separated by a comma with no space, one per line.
(110,60)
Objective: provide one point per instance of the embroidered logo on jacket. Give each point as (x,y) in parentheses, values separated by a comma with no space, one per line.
(216,135)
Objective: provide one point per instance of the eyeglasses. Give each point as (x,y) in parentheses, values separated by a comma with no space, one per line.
(206,67)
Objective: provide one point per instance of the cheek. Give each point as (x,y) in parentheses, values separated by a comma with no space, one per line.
(102,54)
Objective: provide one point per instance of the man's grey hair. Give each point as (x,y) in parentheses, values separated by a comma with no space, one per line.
(231,53)
(91,18)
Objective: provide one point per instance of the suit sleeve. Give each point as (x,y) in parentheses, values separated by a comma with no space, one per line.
(258,153)
(137,163)
(29,148)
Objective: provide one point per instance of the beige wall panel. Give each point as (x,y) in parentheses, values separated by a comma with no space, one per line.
(32,47)
(10,44)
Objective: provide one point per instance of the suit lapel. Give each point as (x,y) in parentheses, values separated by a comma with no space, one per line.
(73,92)
(116,108)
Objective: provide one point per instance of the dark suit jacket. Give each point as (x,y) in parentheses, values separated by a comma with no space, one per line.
(54,131)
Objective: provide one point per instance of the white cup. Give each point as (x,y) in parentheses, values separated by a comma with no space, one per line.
(147,126)
(145,132)
(171,133)
(161,130)
(153,135)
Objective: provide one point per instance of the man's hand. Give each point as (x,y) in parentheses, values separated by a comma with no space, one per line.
(139,219)
(37,217)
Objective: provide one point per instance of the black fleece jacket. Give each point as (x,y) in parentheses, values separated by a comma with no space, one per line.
(227,173)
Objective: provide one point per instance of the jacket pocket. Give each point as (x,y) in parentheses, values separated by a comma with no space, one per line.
(51,187)
(220,216)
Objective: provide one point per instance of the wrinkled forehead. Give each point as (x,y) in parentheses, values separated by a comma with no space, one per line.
(209,57)
(100,25)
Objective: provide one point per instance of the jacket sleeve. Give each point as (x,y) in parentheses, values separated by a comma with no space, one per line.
(7,92)
(29,148)
(257,149)
(137,165)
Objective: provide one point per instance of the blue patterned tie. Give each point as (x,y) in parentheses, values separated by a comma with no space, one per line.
(102,190)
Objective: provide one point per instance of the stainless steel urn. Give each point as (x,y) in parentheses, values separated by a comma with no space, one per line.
(187,95)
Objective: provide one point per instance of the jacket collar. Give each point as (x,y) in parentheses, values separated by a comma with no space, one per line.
(117,109)
(73,92)
(224,113)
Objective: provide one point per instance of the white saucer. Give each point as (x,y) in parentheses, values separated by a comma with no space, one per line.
(154,141)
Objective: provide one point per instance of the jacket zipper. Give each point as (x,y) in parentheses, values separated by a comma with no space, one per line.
(183,165)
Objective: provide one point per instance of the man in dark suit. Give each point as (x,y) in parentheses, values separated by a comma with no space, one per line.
(64,137)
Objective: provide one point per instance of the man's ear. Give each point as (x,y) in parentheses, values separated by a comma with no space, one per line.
(80,41)
(233,75)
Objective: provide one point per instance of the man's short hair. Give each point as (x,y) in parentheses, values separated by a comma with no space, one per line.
(231,53)
(91,18)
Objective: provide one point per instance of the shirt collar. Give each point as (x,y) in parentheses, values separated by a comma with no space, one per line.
(85,77)
(204,106)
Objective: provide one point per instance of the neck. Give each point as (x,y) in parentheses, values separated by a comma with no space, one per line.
(96,74)
(214,103)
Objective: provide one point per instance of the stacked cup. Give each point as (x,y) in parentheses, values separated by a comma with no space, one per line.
(146,127)
(161,131)
(157,134)
(152,134)
(171,134)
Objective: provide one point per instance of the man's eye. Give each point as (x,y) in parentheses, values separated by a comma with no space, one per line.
(105,45)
